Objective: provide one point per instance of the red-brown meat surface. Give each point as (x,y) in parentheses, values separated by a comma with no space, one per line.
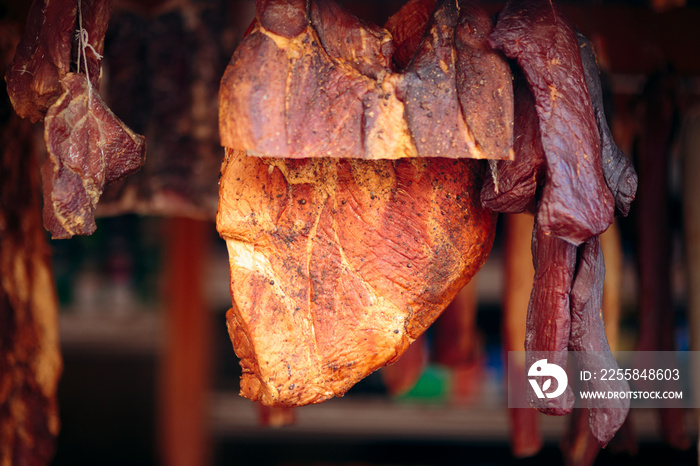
(338,265)
(576,203)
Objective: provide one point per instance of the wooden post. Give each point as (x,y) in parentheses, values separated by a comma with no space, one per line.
(525,436)
(612,300)
(185,366)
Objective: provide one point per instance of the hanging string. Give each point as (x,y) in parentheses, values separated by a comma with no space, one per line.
(83,45)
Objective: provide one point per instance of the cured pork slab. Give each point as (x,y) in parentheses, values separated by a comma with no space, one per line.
(338,265)
(348,200)
(323,86)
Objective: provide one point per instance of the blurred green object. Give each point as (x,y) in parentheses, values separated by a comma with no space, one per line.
(433,386)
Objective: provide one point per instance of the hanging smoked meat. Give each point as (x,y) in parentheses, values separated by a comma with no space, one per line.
(549,312)
(30,360)
(455,341)
(50,48)
(580,446)
(163,63)
(281,94)
(510,186)
(88,147)
(337,265)
(576,203)
(586,176)
(55,76)
(337,262)
(42,58)
(589,342)
(617,168)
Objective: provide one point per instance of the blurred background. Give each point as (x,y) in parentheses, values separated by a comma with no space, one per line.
(149,373)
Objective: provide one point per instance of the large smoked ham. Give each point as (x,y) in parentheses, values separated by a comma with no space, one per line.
(339,263)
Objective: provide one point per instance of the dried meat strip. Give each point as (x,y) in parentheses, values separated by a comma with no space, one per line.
(618,170)
(589,342)
(548,324)
(49,50)
(88,147)
(42,58)
(511,186)
(576,202)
